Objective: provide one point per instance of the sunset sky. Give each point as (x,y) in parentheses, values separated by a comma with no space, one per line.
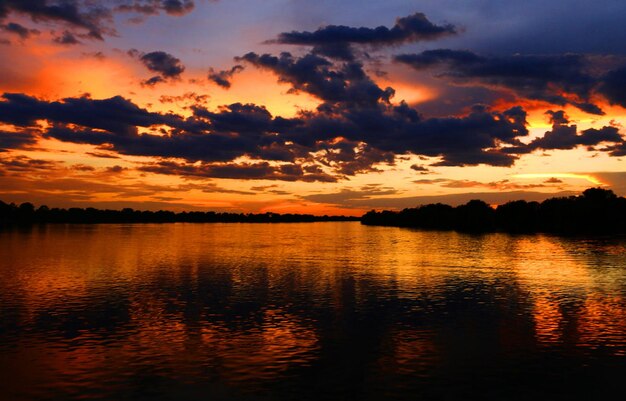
(323,107)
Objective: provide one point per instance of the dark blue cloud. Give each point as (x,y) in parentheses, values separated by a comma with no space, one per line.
(151,7)
(241,171)
(566,136)
(553,79)
(74,13)
(320,77)
(164,64)
(334,40)
(223,78)
(613,86)
(412,28)
(19,30)
(67,38)
(16,140)
(347,139)
(93,19)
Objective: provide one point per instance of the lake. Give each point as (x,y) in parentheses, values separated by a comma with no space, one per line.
(311,311)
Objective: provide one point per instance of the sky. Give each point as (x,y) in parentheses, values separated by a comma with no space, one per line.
(294,106)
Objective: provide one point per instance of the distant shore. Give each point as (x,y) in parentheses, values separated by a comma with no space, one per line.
(27,213)
(596,210)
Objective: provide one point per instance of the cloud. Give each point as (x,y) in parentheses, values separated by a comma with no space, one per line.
(83,167)
(334,41)
(87,18)
(223,78)
(84,15)
(152,7)
(187,97)
(356,108)
(212,188)
(343,140)
(23,165)
(16,140)
(272,189)
(319,77)
(67,38)
(37,180)
(422,170)
(241,171)
(564,136)
(102,155)
(162,63)
(348,196)
(553,180)
(115,169)
(556,79)
(114,115)
(351,200)
(502,185)
(355,129)
(19,30)
(612,86)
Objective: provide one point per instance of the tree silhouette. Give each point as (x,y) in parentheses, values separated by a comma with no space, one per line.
(26,213)
(596,210)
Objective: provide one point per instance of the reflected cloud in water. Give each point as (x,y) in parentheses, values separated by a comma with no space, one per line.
(308,311)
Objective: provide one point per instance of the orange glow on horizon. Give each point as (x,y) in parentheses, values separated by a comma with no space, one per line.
(586,177)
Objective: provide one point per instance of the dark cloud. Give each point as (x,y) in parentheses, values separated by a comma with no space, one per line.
(351,199)
(553,181)
(616,150)
(320,77)
(23,165)
(114,115)
(83,167)
(420,169)
(351,158)
(212,188)
(565,136)
(346,137)
(272,189)
(334,40)
(502,185)
(560,79)
(152,7)
(466,140)
(16,140)
(613,86)
(115,169)
(242,171)
(223,78)
(102,155)
(85,15)
(153,81)
(357,109)
(19,30)
(67,38)
(190,97)
(164,64)
(355,129)
(93,19)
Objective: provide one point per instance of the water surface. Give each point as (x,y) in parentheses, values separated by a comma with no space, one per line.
(315,311)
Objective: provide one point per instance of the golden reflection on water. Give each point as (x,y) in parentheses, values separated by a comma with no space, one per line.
(240,307)
(577,296)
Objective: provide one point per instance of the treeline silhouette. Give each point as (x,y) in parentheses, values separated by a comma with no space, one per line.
(597,210)
(27,213)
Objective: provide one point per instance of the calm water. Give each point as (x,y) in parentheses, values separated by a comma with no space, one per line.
(322,311)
